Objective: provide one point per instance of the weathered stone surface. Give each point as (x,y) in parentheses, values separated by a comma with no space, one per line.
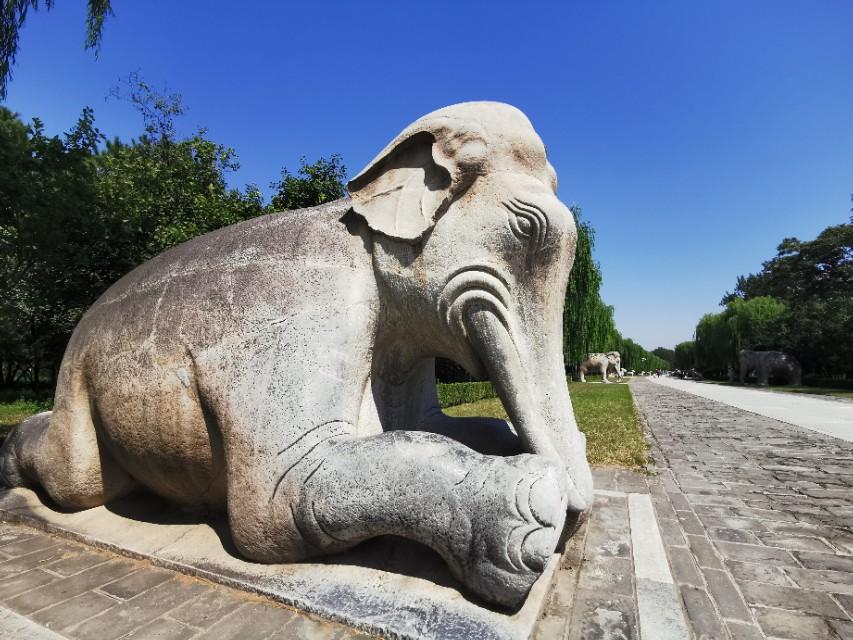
(603,363)
(743,631)
(828,561)
(778,623)
(765,364)
(726,595)
(135,583)
(66,588)
(700,611)
(207,609)
(756,553)
(607,618)
(137,612)
(11,587)
(758,572)
(267,367)
(660,610)
(13,625)
(151,613)
(69,613)
(684,567)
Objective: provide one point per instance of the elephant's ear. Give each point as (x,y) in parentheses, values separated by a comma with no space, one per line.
(407,187)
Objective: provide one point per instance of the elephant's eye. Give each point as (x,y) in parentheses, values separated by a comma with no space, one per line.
(527,221)
(525,225)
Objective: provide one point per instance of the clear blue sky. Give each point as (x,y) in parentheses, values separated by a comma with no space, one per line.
(694,135)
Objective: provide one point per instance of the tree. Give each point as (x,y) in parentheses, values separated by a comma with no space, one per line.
(587,321)
(314,184)
(49,249)
(665,354)
(685,357)
(714,349)
(757,323)
(75,215)
(821,268)
(814,281)
(13,14)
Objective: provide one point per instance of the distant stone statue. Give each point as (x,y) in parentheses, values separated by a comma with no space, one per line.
(282,368)
(765,364)
(603,362)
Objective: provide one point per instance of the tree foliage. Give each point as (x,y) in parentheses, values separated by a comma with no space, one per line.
(685,355)
(713,350)
(665,354)
(13,15)
(313,184)
(800,302)
(77,212)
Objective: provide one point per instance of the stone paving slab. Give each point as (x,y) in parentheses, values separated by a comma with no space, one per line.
(386,586)
(78,592)
(756,517)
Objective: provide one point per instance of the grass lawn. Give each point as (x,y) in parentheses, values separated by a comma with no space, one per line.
(11,413)
(605,413)
(818,391)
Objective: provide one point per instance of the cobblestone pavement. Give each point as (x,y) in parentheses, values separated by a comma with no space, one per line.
(82,593)
(756,516)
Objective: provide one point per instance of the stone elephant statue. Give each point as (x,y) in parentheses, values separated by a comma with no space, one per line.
(282,369)
(765,364)
(603,362)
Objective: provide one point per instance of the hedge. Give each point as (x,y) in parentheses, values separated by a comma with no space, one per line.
(449,395)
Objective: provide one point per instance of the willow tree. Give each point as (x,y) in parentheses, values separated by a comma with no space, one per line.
(587,322)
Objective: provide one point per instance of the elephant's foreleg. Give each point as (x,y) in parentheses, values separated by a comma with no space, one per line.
(494,520)
(604,374)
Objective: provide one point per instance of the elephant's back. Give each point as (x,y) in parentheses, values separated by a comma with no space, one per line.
(268,240)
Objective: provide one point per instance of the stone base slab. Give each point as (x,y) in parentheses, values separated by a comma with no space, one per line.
(387,586)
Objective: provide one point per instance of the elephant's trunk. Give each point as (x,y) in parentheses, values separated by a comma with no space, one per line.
(531,383)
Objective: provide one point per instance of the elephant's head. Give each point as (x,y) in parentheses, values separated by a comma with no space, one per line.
(473,250)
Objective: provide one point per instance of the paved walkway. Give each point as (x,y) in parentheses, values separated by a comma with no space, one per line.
(51,588)
(756,516)
(824,415)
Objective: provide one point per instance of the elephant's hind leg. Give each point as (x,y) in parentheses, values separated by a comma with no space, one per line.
(60,452)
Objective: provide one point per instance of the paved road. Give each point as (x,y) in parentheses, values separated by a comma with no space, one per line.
(827,416)
(52,589)
(756,517)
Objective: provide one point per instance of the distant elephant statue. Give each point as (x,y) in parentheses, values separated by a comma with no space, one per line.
(282,369)
(765,364)
(603,362)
